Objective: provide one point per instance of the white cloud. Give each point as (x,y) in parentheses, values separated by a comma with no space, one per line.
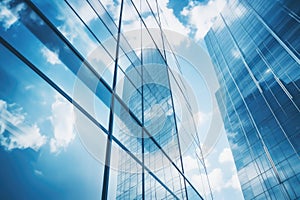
(50,56)
(233,182)
(225,156)
(202,16)
(129,15)
(217,180)
(189,164)
(113,7)
(62,120)
(29,87)
(75,31)
(38,172)
(131,25)
(7,16)
(68,30)
(207,163)
(198,154)
(86,13)
(169,20)
(21,135)
(201,117)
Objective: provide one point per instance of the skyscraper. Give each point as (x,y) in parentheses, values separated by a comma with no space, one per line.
(255,49)
(69,54)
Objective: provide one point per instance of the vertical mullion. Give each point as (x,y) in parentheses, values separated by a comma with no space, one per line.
(111,115)
(176,128)
(142,83)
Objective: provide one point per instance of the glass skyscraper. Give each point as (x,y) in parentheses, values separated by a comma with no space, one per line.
(255,49)
(98,69)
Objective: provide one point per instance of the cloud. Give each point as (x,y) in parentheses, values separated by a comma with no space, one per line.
(38,172)
(233,182)
(207,163)
(201,117)
(189,164)
(217,180)
(75,31)
(169,20)
(225,156)
(202,16)
(15,133)
(86,13)
(29,87)
(113,8)
(62,120)
(198,154)
(50,56)
(20,134)
(130,15)
(7,16)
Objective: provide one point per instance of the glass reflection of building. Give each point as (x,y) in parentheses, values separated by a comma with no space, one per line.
(254,46)
(78,52)
(159,122)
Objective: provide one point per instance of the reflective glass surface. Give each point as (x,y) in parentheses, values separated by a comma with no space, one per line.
(86,103)
(254,46)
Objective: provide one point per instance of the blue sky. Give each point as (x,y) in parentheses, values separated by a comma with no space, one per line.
(35,132)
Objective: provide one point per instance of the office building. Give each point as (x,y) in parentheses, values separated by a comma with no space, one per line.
(255,49)
(69,64)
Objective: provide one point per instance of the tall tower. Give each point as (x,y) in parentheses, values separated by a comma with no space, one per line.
(255,49)
(150,99)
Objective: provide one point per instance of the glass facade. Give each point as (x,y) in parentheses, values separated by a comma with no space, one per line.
(255,49)
(88,112)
